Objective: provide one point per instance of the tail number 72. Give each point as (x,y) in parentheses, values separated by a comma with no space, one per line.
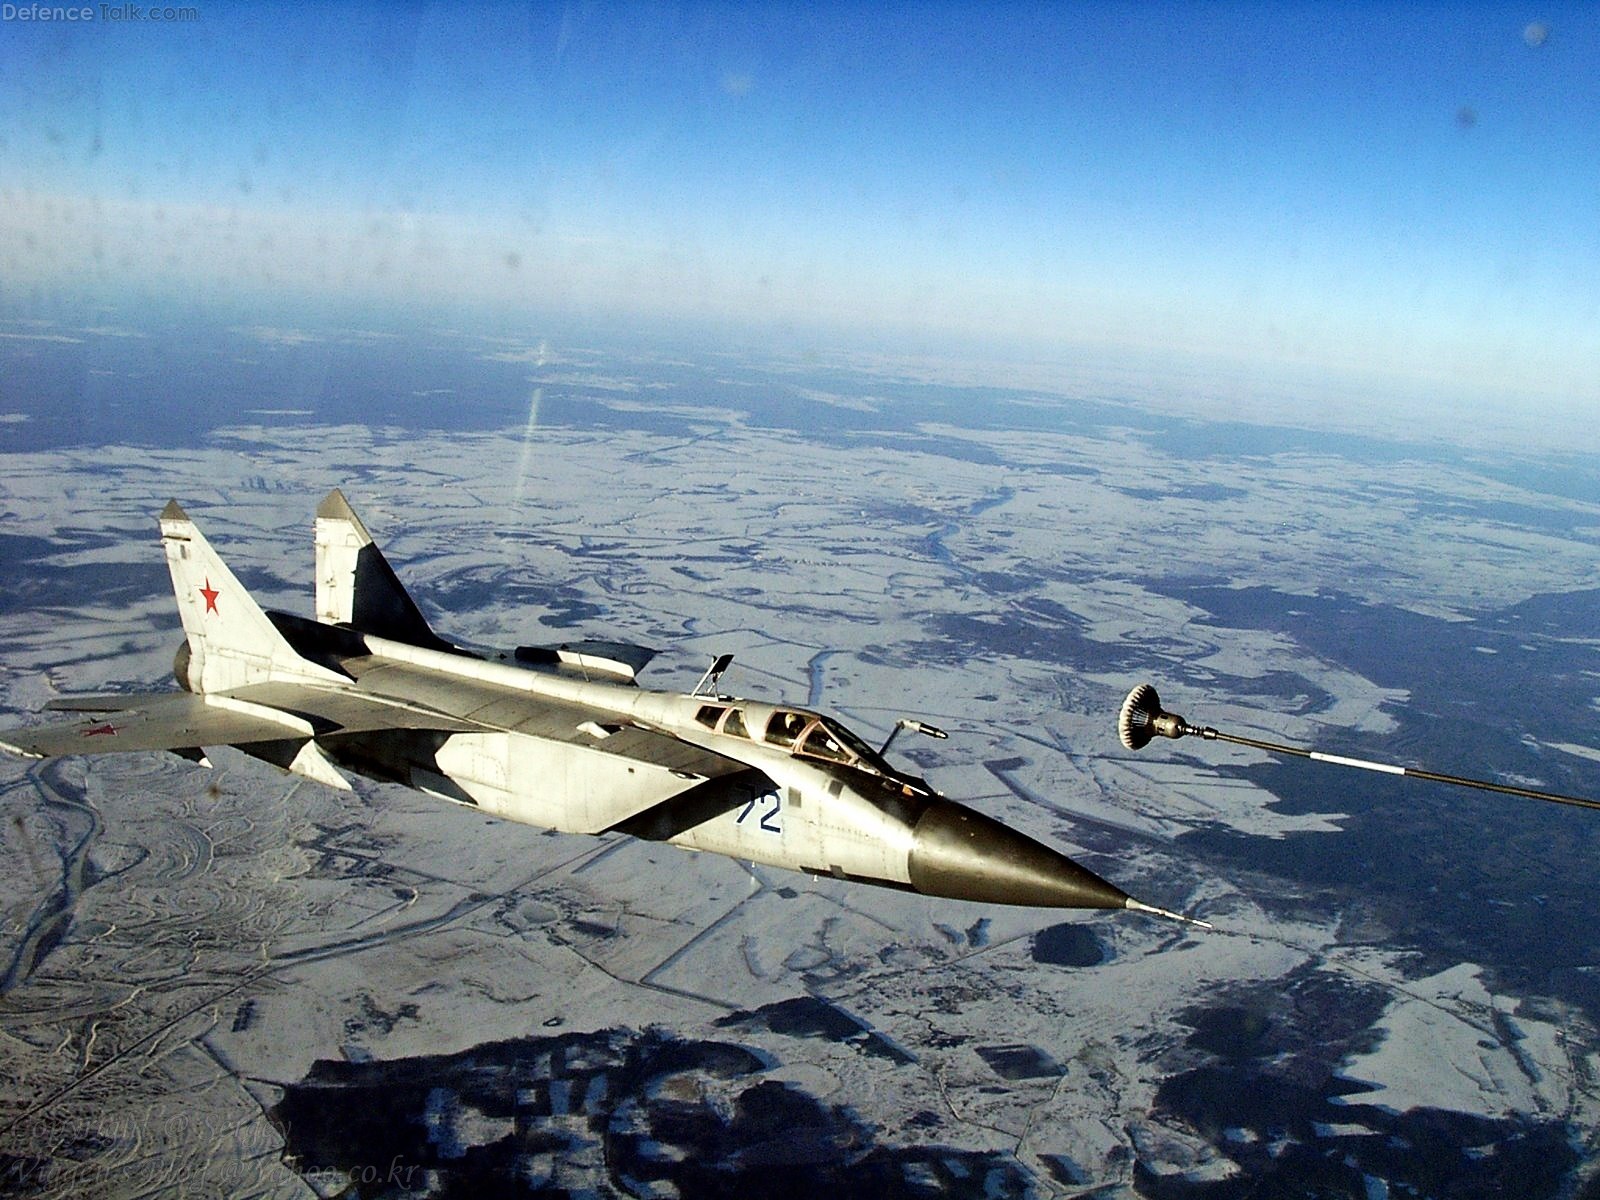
(770,804)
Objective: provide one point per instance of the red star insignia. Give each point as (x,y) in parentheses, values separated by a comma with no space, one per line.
(101,729)
(211,594)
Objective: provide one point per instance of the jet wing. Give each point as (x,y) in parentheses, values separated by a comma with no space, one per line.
(98,702)
(346,710)
(182,720)
(155,721)
(428,696)
(357,710)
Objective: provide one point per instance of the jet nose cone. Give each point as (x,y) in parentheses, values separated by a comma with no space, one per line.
(967,856)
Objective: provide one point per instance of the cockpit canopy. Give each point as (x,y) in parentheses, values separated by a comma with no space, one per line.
(804,734)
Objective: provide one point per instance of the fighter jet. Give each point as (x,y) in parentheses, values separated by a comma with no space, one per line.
(561,737)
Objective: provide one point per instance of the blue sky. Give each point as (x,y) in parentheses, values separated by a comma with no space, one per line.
(1410,192)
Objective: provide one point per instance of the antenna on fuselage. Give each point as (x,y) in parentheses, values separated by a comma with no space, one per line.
(712,676)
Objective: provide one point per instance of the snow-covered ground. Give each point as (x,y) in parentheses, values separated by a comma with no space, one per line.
(236,927)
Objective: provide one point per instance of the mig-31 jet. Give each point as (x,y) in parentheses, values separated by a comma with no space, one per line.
(560,737)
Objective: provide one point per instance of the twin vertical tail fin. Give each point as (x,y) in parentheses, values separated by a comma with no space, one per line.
(356,586)
(231,642)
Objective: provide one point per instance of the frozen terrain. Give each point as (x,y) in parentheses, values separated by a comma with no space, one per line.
(237,982)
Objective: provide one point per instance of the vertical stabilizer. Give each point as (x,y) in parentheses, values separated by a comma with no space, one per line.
(231,641)
(356,587)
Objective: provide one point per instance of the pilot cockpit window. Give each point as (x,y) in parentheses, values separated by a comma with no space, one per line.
(857,748)
(784,727)
(820,743)
(735,723)
(709,715)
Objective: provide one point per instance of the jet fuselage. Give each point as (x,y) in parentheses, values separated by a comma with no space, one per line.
(814,797)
